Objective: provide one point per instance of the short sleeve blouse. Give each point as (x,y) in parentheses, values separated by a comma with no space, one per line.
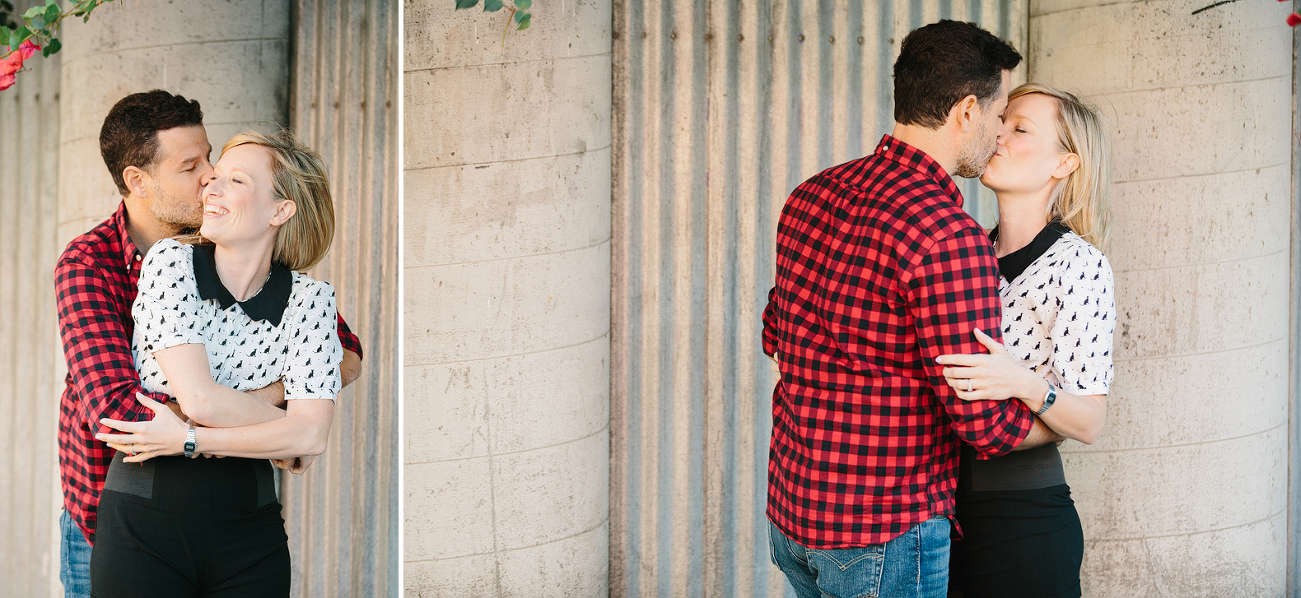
(1059,315)
(287,332)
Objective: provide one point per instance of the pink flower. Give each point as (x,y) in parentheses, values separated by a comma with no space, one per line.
(1294,19)
(10,64)
(26,50)
(6,81)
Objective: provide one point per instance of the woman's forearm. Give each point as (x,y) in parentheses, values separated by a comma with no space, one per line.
(303,430)
(1079,417)
(217,406)
(201,398)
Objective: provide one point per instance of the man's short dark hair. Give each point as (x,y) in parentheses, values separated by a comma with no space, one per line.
(129,136)
(943,62)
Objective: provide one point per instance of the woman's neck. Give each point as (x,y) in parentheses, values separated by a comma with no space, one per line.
(1020,219)
(243,270)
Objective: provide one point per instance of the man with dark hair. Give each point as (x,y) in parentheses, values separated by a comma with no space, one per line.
(156,149)
(879,271)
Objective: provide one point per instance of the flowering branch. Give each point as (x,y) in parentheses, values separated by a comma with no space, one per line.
(1293,19)
(36,32)
(519,12)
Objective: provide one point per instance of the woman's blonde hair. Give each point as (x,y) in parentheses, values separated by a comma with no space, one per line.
(1081,200)
(298,175)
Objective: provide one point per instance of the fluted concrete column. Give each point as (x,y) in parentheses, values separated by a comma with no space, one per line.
(1185,494)
(233,57)
(507,301)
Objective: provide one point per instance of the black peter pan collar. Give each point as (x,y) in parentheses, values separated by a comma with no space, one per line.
(268,304)
(1013,264)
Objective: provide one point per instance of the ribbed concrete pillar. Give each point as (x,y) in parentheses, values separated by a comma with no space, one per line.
(233,57)
(31,357)
(507,301)
(1185,494)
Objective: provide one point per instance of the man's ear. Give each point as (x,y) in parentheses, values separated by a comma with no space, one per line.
(965,113)
(285,209)
(137,181)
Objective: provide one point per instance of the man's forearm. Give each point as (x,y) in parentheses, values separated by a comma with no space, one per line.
(1039,435)
(350,367)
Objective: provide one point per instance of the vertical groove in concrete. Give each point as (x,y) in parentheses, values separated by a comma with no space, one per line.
(1294,349)
(1186,493)
(31,358)
(506,301)
(720,110)
(342,517)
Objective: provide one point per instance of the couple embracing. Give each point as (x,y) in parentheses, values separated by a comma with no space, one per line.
(929,369)
(191,332)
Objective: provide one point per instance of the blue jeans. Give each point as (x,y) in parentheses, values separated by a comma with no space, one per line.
(914,565)
(74,557)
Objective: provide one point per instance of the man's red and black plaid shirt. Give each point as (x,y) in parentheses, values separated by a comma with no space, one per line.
(879,271)
(95,284)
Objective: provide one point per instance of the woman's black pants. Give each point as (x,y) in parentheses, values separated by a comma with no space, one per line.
(177,527)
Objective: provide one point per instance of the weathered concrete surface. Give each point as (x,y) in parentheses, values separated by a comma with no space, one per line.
(1186,492)
(31,357)
(507,301)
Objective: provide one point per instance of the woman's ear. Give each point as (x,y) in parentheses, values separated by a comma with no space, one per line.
(285,210)
(1069,163)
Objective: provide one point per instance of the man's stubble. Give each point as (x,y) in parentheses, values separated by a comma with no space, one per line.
(974,156)
(180,213)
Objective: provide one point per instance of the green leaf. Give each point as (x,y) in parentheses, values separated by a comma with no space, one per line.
(16,38)
(33,11)
(38,22)
(520,16)
(491,5)
(466,4)
(524,22)
(523,4)
(52,13)
(53,47)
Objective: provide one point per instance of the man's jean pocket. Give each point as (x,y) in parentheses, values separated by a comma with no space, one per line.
(913,564)
(74,559)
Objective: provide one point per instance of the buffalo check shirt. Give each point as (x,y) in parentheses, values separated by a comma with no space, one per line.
(879,271)
(95,285)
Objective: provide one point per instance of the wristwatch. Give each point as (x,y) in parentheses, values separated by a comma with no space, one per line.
(1049,399)
(189,442)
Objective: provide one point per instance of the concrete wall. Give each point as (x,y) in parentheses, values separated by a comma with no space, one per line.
(721,109)
(506,301)
(342,516)
(31,358)
(1294,357)
(1185,494)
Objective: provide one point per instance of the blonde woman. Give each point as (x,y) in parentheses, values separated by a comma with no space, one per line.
(232,312)
(1021,533)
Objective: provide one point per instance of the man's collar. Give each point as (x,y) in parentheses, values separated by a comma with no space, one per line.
(129,251)
(915,159)
(268,304)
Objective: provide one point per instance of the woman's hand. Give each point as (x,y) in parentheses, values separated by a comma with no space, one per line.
(161,436)
(993,377)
